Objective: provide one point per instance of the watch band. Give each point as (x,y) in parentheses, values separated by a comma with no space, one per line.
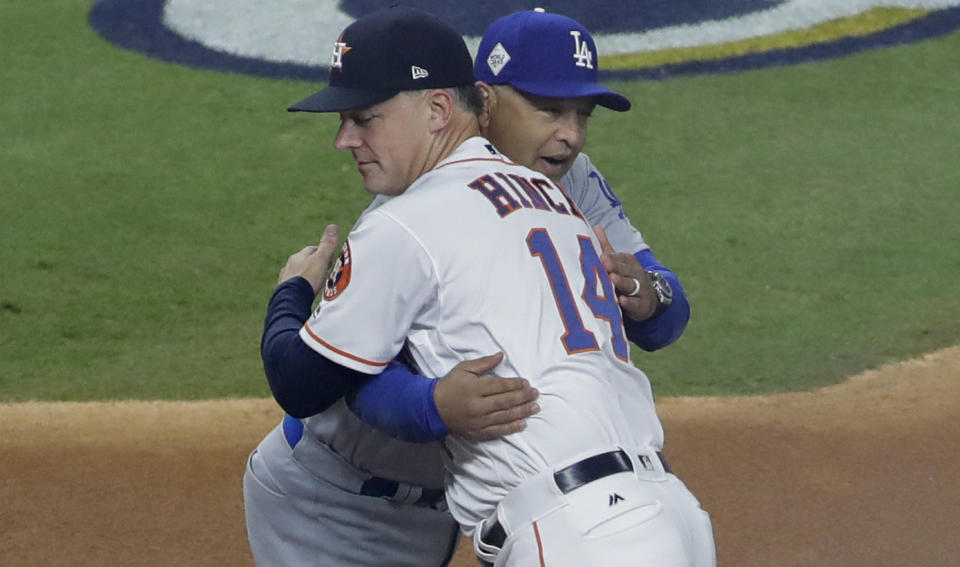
(662,288)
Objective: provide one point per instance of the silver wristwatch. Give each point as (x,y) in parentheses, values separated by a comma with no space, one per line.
(662,288)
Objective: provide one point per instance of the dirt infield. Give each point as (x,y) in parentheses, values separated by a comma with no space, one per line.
(865,473)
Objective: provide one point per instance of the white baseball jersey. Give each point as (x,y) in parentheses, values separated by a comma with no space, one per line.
(420,463)
(480,256)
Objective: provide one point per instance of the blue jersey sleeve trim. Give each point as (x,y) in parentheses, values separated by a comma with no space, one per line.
(302,381)
(664,329)
(400,403)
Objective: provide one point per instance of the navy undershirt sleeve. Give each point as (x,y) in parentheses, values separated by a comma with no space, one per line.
(303,382)
(662,330)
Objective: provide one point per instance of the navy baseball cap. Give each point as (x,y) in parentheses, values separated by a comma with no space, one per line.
(543,54)
(388,51)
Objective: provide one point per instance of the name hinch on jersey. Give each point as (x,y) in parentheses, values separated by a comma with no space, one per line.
(523,193)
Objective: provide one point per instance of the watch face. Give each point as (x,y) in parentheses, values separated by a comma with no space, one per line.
(661,286)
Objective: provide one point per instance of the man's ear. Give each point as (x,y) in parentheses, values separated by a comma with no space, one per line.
(489,104)
(440,105)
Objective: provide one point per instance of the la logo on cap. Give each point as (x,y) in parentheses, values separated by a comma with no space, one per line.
(581,51)
(339,49)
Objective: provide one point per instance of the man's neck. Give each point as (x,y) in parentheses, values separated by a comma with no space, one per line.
(460,129)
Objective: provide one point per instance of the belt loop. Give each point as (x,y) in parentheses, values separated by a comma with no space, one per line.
(652,461)
(488,540)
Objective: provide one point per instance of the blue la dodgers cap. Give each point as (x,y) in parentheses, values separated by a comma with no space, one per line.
(543,54)
(388,51)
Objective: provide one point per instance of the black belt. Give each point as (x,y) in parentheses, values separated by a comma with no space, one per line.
(385,488)
(578,474)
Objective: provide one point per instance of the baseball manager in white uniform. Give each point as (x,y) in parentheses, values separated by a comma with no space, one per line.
(473,255)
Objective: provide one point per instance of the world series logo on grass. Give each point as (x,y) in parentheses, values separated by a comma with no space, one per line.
(646,39)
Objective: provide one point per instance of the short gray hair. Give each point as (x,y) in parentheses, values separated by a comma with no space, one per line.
(469,97)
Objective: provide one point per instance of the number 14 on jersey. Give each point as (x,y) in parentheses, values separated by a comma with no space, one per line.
(598,293)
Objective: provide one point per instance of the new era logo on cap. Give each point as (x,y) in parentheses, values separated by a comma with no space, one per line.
(418,72)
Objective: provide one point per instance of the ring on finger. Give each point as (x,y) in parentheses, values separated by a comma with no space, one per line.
(636,287)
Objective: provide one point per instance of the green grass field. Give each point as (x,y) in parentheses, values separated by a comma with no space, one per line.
(811,212)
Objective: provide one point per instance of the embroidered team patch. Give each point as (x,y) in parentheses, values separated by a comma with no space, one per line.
(340,275)
(498,59)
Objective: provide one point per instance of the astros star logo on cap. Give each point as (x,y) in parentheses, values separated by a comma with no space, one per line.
(339,49)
